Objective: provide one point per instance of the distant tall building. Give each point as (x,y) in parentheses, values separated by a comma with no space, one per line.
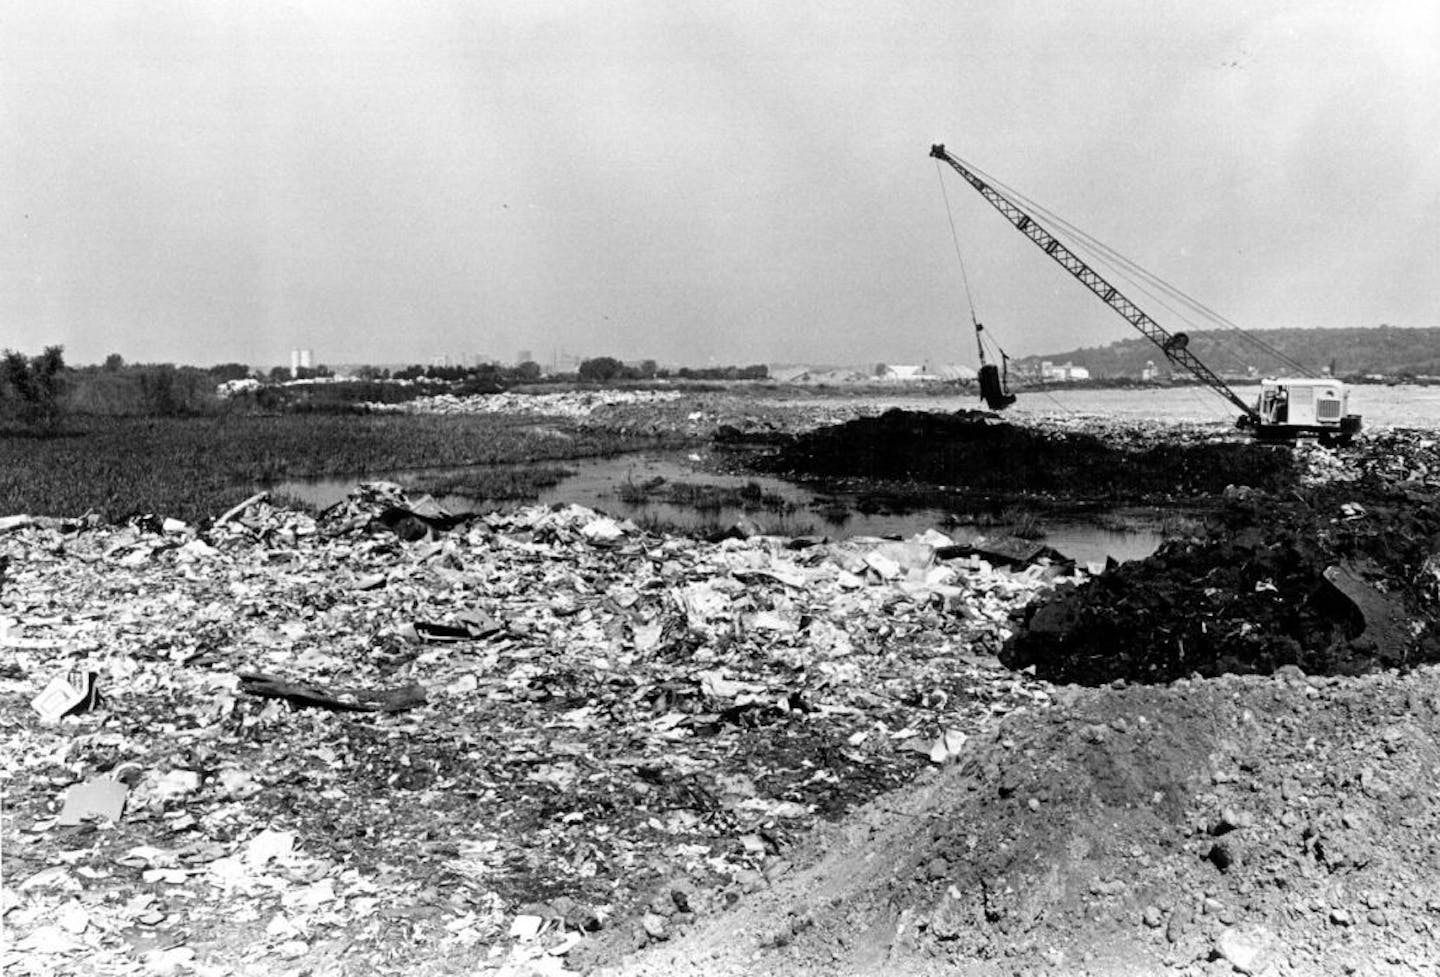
(525,356)
(301,359)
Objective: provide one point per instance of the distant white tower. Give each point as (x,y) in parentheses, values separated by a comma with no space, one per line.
(301,358)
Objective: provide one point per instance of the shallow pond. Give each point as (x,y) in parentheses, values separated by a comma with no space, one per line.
(612,485)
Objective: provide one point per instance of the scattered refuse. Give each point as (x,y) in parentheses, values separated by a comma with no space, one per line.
(614,705)
(302,695)
(67,695)
(575,404)
(546,628)
(100,798)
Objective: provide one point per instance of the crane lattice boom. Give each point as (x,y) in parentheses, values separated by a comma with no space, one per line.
(1172,345)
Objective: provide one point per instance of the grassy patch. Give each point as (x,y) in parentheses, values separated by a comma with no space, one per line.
(495,484)
(193,468)
(703,497)
(1024,523)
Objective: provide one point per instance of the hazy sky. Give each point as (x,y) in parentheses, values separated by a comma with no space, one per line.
(203,182)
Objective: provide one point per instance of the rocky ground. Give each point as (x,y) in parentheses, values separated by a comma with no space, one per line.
(378,742)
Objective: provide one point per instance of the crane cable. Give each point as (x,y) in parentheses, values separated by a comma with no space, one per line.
(1097,246)
(981,337)
(955,238)
(980,334)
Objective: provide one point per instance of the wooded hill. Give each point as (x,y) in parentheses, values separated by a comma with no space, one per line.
(1381,350)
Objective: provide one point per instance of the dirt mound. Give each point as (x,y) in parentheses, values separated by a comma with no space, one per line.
(974,450)
(1276,825)
(1340,580)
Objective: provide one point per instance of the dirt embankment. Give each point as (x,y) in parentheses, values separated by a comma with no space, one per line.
(1277,825)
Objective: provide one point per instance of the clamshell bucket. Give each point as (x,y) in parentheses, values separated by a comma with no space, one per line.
(992,390)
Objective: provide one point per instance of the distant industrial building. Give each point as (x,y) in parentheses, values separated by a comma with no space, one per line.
(1063,373)
(301,359)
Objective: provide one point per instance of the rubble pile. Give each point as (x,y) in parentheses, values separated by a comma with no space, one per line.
(379,734)
(579,403)
(975,450)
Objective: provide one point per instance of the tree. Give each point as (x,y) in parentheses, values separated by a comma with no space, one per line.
(159,391)
(279,374)
(114,363)
(601,368)
(221,372)
(527,372)
(30,387)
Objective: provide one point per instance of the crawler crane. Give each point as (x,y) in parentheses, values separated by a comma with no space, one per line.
(1287,408)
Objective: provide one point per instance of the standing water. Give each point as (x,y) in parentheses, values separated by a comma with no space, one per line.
(644,487)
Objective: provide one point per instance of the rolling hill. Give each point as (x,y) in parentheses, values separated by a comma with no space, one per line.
(1384,350)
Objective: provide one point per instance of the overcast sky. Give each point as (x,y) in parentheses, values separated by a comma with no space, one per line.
(202,182)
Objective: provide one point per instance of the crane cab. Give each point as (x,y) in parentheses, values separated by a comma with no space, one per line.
(1296,407)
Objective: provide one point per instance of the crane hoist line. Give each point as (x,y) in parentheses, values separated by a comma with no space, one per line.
(1287,408)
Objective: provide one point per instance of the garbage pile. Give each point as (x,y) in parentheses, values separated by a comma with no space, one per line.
(385,734)
(581,403)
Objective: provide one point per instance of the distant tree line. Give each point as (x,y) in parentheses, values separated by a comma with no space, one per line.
(602,369)
(30,387)
(38,391)
(117,388)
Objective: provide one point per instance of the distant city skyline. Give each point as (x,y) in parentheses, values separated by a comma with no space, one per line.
(216,181)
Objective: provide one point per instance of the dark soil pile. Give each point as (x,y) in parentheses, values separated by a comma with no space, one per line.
(1340,580)
(973,450)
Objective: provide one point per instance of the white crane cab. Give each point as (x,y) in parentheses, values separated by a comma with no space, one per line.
(1291,407)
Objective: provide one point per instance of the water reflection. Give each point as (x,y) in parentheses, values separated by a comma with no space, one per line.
(612,485)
